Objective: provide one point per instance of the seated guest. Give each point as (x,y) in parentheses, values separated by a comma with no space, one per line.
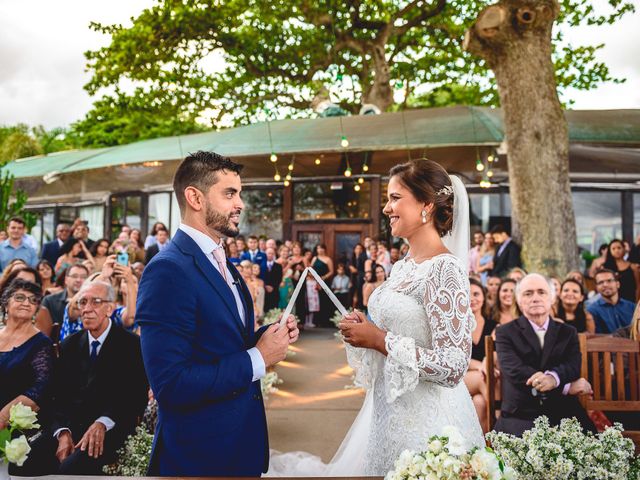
(100,253)
(48,276)
(70,254)
(53,306)
(100,388)
(610,312)
(571,307)
(474,378)
(26,363)
(539,358)
(504,308)
(27,273)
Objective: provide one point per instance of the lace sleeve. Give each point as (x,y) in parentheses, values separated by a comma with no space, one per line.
(446,303)
(42,365)
(361,360)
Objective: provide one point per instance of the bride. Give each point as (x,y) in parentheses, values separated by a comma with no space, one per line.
(413,355)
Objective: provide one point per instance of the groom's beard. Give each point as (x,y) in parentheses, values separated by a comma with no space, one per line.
(221,223)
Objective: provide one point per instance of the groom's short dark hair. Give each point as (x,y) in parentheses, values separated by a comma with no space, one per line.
(199,170)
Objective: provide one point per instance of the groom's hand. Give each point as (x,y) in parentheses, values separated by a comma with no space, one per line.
(273,344)
(292,326)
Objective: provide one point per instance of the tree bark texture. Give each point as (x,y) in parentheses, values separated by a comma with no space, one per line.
(514,38)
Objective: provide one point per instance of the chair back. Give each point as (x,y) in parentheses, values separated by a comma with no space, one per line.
(490,380)
(55,338)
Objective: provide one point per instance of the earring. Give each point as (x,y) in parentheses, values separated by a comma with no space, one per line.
(424,216)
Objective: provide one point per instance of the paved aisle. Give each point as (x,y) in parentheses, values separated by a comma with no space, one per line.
(312,411)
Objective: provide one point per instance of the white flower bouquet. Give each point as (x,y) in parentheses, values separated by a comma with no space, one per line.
(447,458)
(566,452)
(274,315)
(133,457)
(16,450)
(268,383)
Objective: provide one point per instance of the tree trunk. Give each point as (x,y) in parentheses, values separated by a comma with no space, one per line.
(514,37)
(380,93)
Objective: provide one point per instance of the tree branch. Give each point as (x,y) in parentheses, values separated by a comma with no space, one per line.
(425,15)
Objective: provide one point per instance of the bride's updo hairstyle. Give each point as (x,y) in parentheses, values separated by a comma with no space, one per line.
(429,183)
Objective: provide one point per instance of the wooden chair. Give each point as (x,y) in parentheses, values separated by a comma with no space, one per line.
(55,338)
(490,380)
(604,362)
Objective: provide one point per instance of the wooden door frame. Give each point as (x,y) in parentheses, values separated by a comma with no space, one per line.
(328,231)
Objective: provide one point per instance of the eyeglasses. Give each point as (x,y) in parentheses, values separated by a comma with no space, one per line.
(94,302)
(21,298)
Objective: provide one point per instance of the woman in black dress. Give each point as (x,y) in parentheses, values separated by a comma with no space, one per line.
(26,363)
(571,306)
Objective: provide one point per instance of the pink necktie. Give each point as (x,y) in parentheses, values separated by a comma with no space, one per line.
(220,257)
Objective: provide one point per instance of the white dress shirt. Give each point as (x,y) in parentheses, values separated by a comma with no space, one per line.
(207,245)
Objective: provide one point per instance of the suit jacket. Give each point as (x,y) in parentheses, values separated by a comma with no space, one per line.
(51,251)
(211,418)
(114,386)
(273,279)
(260,259)
(508,259)
(520,356)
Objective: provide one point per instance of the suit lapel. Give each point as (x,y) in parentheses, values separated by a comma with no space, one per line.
(529,335)
(550,339)
(189,247)
(247,301)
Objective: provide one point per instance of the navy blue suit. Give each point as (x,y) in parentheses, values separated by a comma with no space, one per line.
(51,251)
(211,419)
(260,258)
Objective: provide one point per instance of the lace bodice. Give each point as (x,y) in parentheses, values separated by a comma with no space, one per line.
(418,387)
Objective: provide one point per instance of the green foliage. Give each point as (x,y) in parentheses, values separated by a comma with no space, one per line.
(272,56)
(19,145)
(12,203)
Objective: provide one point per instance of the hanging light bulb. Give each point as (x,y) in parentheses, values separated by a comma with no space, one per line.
(288,177)
(489,173)
(490,158)
(287,183)
(344,142)
(479,165)
(290,167)
(347,172)
(277,177)
(356,187)
(365,168)
(273,158)
(317,162)
(361,180)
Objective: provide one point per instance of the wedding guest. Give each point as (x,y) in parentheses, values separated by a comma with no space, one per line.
(3,235)
(51,250)
(52,309)
(26,365)
(136,246)
(503,310)
(233,254)
(271,243)
(610,312)
(27,274)
(474,378)
(307,257)
(16,263)
(286,285)
(80,231)
(628,274)
(151,238)
(518,274)
(162,242)
(578,276)
(372,254)
(283,257)
(539,359)
(99,251)
(493,284)
(272,279)
(15,247)
(384,258)
(379,275)
(341,286)
(474,253)
(323,265)
(404,249)
(356,268)
(138,268)
(296,254)
(254,255)
(571,307)
(634,254)
(508,252)
(598,263)
(242,244)
(557,285)
(70,254)
(100,388)
(485,258)
(262,244)
(394,254)
(45,269)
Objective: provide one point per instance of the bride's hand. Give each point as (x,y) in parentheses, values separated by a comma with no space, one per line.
(354,317)
(363,335)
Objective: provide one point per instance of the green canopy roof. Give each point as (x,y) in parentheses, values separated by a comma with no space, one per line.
(411,129)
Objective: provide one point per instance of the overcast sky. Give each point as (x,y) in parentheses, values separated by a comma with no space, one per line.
(42,63)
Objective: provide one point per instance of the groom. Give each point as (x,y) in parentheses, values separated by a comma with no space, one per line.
(203,358)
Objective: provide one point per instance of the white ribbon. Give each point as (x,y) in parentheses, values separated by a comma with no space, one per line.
(296,292)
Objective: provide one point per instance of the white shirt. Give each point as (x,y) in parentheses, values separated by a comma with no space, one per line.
(207,245)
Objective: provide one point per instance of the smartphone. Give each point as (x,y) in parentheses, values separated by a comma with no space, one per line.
(123,258)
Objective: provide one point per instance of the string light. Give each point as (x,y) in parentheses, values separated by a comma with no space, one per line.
(485,183)
(356,187)
(290,167)
(365,168)
(277,177)
(287,183)
(489,173)
(347,172)
(288,177)
(361,180)
(490,158)
(317,162)
(479,165)
(273,158)
(344,142)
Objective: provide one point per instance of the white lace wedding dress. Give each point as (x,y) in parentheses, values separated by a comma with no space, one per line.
(417,389)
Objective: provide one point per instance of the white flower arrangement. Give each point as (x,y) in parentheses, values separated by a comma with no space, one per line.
(566,452)
(274,315)
(337,318)
(447,458)
(268,383)
(133,457)
(16,450)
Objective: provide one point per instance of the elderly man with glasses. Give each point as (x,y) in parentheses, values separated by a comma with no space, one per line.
(100,389)
(610,312)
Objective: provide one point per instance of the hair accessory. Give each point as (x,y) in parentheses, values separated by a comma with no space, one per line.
(424,216)
(446,190)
